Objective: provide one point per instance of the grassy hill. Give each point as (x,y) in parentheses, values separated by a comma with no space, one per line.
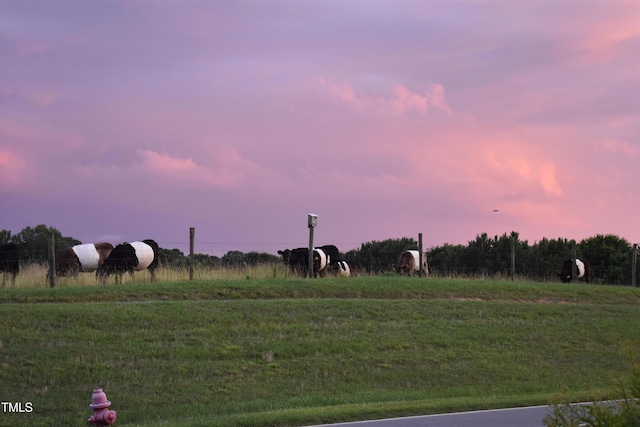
(288,352)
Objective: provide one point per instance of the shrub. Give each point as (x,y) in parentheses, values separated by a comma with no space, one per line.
(621,411)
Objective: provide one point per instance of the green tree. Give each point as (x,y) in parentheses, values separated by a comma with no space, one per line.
(241,259)
(173,258)
(480,253)
(5,236)
(204,260)
(609,257)
(379,256)
(492,255)
(258,258)
(547,257)
(448,260)
(234,259)
(35,242)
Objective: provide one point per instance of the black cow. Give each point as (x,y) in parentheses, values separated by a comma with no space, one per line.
(82,258)
(298,260)
(130,257)
(9,261)
(583,271)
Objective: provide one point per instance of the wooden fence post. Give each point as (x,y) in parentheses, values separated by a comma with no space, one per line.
(513,257)
(52,262)
(634,264)
(574,255)
(192,232)
(420,269)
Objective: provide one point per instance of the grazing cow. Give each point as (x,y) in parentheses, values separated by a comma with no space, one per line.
(130,257)
(583,271)
(333,255)
(9,262)
(298,260)
(343,269)
(409,262)
(82,258)
(321,261)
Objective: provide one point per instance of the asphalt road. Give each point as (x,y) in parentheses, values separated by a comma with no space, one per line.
(530,416)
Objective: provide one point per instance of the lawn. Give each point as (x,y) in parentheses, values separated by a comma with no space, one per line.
(287,352)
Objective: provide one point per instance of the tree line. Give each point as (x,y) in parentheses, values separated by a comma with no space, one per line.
(609,256)
(34,244)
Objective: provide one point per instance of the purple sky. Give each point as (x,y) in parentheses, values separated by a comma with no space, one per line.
(125,120)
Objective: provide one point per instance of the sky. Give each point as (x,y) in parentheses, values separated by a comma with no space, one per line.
(126,120)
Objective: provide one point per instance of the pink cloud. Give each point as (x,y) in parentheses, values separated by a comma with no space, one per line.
(186,170)
(164,163)
(223,167)
(403,101)
(620,147)
(518,169)
(423,117)
(12,169)
(43,99)
(548,179)
(438,99)
(399,100)
(26,136)
(607,36)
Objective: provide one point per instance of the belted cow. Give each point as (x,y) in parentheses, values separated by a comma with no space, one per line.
(82,258)
(9,261)
(333,255)
(298,260)
(409,263)
(130,257)
(343,269)
(583,271)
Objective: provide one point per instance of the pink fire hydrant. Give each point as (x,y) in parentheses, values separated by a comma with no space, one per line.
(102,415)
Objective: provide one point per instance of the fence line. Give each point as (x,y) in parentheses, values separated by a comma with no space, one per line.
(497,260)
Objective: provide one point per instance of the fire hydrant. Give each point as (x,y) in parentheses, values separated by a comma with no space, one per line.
(102,415)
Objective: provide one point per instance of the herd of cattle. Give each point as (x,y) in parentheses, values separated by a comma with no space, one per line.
(105,259)
(326,259)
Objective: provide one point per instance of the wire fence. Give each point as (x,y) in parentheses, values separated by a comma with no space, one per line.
(501,257)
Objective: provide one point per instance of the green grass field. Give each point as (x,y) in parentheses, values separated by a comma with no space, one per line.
(294,352)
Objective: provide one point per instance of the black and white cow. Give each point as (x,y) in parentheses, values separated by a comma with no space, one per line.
(130,257)
(343,269)
(86,257)
(409,263)
(333,255)
(298,260)
(9,261)
(583,271)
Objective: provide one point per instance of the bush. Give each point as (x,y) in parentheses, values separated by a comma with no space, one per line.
(621,411)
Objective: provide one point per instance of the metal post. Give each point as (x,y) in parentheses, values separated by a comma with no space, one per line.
(310,259)
(312,220)
(192,232)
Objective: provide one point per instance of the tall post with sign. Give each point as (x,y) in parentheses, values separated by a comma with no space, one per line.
(312,221)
